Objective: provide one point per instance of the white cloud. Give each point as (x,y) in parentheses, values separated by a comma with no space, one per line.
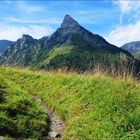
(7,2)
(127,6)
(23,6)
(124,34)
(84,12)
(14,32)
(21,20)
(121,19)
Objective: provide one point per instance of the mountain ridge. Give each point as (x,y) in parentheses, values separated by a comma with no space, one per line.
(133,47)
(4,44)
(86,51)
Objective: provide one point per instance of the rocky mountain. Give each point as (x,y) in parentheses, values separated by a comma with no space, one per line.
(20,52)
(133,47)
(4,44)
(70,47)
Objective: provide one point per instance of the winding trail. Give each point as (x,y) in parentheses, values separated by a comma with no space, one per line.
(55,124)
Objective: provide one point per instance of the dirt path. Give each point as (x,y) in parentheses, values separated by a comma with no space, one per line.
(56,126)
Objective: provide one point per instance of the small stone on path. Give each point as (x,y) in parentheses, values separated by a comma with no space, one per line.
(2,138)
(54,134)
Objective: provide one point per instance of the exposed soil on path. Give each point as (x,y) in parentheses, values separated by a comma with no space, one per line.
(55,124)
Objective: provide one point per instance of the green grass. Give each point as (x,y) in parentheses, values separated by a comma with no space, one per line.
(19,113)
(74,58)
(92,106)
(83,58)
(57,51)
(137,54)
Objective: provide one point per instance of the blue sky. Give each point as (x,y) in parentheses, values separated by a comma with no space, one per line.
(118,21)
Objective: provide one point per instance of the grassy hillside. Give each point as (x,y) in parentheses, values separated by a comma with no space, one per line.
(92,106)
(53,53)
(84,58)
(137,54)
(19,113)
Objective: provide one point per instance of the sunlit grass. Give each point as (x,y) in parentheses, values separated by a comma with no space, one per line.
(19,113)
(92,106)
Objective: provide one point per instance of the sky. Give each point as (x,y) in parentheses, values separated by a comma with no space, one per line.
(118,21)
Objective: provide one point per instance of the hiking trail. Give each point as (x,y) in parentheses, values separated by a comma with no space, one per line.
(55,124)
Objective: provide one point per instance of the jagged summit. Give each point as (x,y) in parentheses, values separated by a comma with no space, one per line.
(69,22)
(72,47)
(25,36)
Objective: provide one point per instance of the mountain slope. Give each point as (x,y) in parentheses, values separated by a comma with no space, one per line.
(4,44)
(133,47)
(82,51)
(137,54)
(21,53)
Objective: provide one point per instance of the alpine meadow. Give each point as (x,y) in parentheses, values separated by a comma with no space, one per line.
(60,80)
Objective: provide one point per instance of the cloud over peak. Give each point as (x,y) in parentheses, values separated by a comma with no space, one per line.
(14,32)
(124,34)
(127,6)
(128,31)
(23,6)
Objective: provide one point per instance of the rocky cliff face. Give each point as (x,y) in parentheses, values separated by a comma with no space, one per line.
(70,32)
(133,47)
(4,44)
(20,53)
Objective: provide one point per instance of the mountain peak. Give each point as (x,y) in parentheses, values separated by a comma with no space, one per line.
(25,36)
(69,22)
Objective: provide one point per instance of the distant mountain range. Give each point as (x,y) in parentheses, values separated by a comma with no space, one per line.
(70,47)
(133,47)
(4,44)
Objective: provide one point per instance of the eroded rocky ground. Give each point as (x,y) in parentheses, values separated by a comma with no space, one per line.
(55,124)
